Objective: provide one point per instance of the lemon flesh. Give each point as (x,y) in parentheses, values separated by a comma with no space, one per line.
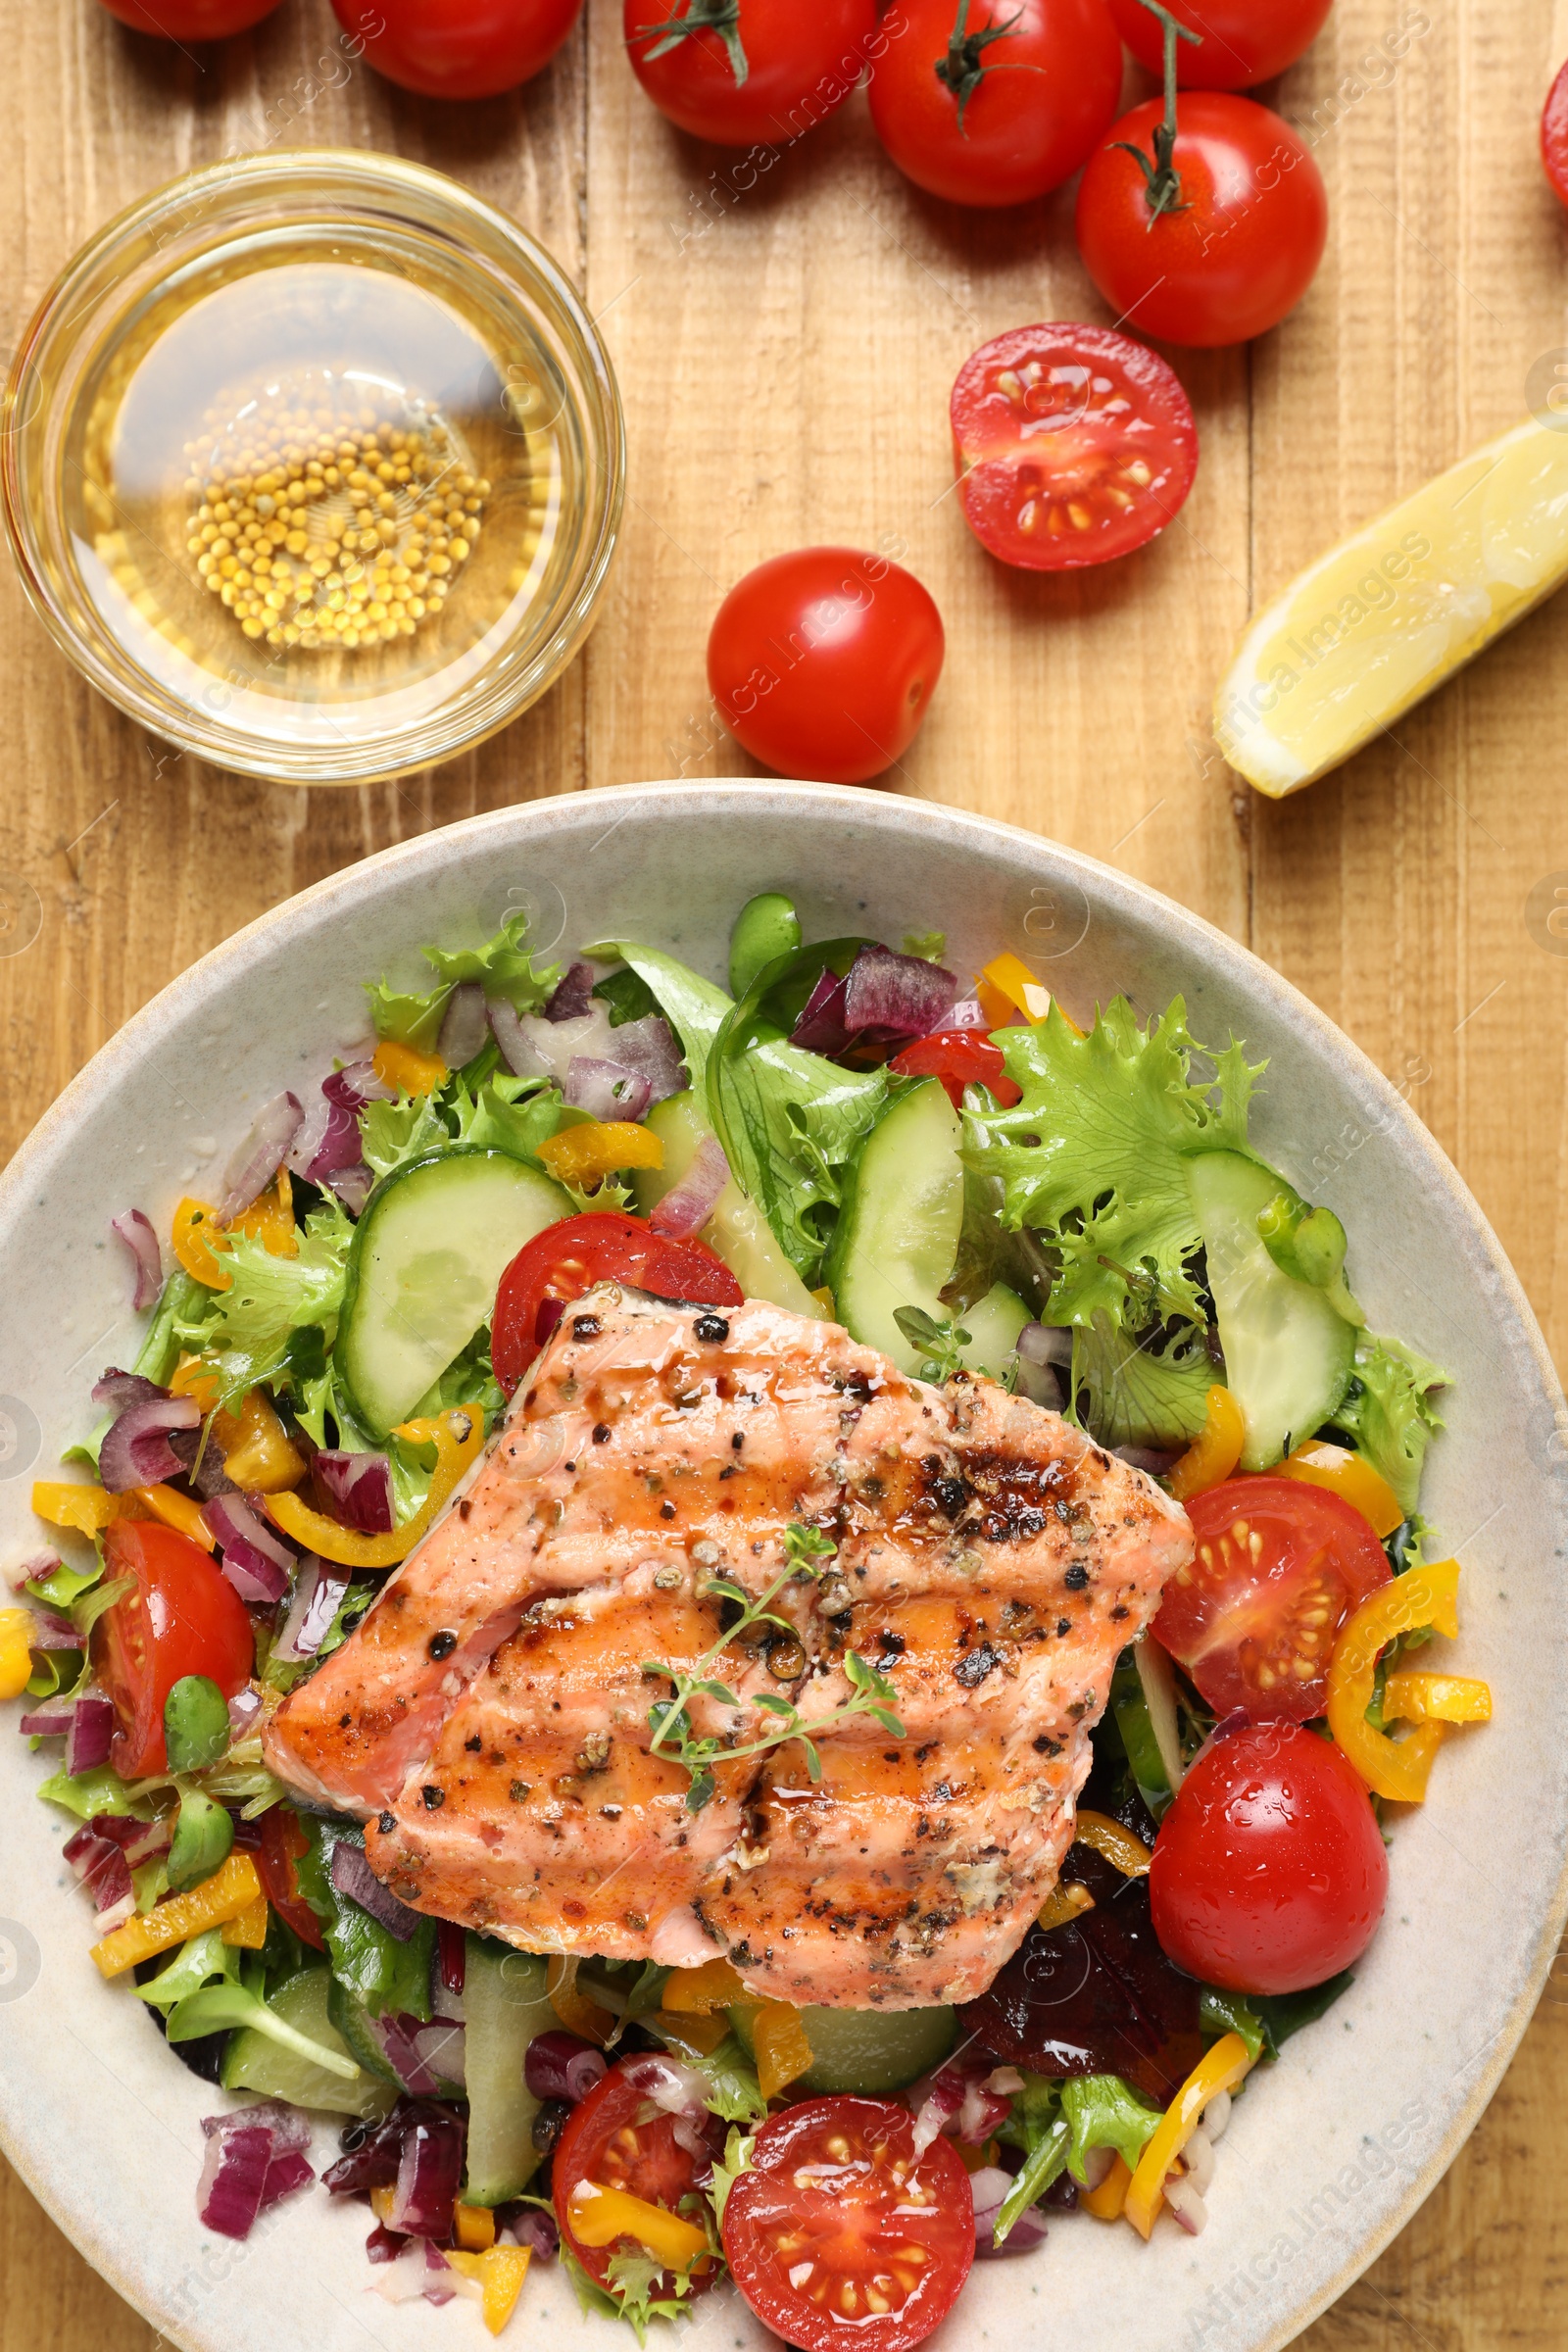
(1390,612)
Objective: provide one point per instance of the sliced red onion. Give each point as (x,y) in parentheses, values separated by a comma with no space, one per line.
(50,1631)
(319,1587)
(382,2246)
(203,1457)
(352,1875)
(123,1389)
(649,1046)
(606,1090)
(441,2281)
(428,2175)
(47,1723)
(354,1187)
(244,1712)
(688,1206)
(136,1232)
(821,1027)
(1043,1344)
(441,2049)
(356,1084)
(36,1568)
(888,996)
(256,1560)
(561,2066)
(1186,2204)
(260,1154)
(518,1050)
(570,999)
(100,1867)
(253,2159)
(137,1840)
(990,2189)
(452,1962)
(137,1452)
(463,1025)
(535,2228)
(1198,2161)
(982,2112)
(373,2161)
(91,1734)
(287,2172)
(355,1489)
(1154,1460)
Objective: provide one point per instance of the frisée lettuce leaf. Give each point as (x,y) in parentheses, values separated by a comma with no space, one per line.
(502,967)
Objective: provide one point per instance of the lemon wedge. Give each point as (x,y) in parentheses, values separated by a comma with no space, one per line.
(1393,610)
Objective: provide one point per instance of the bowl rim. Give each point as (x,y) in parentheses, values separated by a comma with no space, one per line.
(226,962)
(411,748)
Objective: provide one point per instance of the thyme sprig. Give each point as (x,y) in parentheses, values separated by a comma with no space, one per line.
(806,1553)
(943,1341)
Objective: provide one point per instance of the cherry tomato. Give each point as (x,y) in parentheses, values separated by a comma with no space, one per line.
(1074,445)
(960,1058)
(458,48)
(283,1843)
(995,105)
(1279,1567)
(823,663)
(775,70)
(1242,241)
(838,2234)
(190,20)
(183,1618)
(1242,40)
(610,2140)
(1269,1871)
(1554,135)
(558,1264)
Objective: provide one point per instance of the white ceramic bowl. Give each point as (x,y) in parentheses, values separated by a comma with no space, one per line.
(1332,2149)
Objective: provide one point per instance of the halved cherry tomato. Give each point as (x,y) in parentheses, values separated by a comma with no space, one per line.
(183,1618)
(760,73)
(458,48)
(1269,1872)
(1554,135)
(558,1264)
(190,20)
(1242,40)
(613,2142)
(1072,445)
(838,2234)
(960,1058)
(284,1844)
(1278,1569)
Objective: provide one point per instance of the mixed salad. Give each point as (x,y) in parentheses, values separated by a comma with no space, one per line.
(964,1180)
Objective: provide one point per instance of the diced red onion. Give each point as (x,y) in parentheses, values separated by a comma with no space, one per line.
(123,1389)
(1099,2164)
(318,1589)
(256,1560)
(244,1712)
(990,2189)
(452,1961)
(100,1867)
(463,1025)
(354,1187)
(518,1050)
(137,1840)
(1043,1344)
(570,999)
(968,1014)
(355,1489)
(441,2281)
(1198,2160)
(1153,1460)
(287,2172)
(262,1153)
(688,1206)
(36,1568)
(561,2066)
(1216,2114)
(428,2175)
(382,2246)
(981,2113)
(1005,2081)
(356,1084)
(352,1875)
(935,2101)
(374,2161)
(136,1232)
(137,1452)
(1186,2204)
(50,1631)
(606,1090)
(253,2159)
(821,1027)
(888,996)
(92,1733)
(115,1914)
(402,2278)
(442,2047)
(536,2228)
(649,1048)
(47,1723)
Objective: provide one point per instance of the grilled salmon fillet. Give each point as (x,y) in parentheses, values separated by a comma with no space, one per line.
(490,1714)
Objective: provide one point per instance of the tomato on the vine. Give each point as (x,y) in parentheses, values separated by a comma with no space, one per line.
(190,20)
(182,1616)
(960,1058)
(1242,41)
(1072,445)
(995,105)
(838,2234)
(458,48)
(616,2140)
(1279,1567)
(1209,236)
(749,73)
(822,662)
(566,1259)
(1269,1873)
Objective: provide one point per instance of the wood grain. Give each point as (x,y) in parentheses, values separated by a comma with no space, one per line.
(785,350)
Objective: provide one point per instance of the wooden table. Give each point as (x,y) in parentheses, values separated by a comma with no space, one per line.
(785,352)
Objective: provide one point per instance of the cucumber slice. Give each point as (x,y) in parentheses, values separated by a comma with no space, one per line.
(898,1230)
(1289,1353)
(351,2020)
(253,2062)
(736,1228)
(433,1242)
(993,1323)
(505,2005)
(866,2052)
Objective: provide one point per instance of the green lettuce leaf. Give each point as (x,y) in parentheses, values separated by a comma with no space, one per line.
(393,1133)
(727,2170)
(1266,2021)
(1103,2111)
(1389,1413)
(248,1326)
(1144,1389)
(729,2082)
(502,967)
(1041,2167)
(365,1956)
(631,2296)
(694,1008)
(100,1790)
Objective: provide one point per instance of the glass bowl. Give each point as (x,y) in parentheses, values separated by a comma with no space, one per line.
(314,464)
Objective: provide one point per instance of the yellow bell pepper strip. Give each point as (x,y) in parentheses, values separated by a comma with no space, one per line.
(455,1453)
(582,1154)
(87,1510)
(1398,1769)
(1219,2069)
(407,1068)
(248,1932)
(230,1892)
(194,1377)
(599,2216)
(698,1991)
(576,2012)
(1007,986)
(783,2052)
(1130,1854)
(1215,1450)
(689,2037)
(16,1656)
(1411,1696)
(257,1452)
(1066,1900)
(194,1233)
(1352,1477)
(499,2272)
(474,2227)
(269,1219)
(1109,2201)
(178,1511)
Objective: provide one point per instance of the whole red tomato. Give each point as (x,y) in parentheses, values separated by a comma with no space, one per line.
(1269,1872)
(996,104)
(1554,135)
(1216,244)
(180,1617)
(458,48)
(751,72)
(823,663)
(190,20)
(1243,41)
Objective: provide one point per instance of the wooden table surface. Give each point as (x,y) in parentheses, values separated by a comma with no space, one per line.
(785,353)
